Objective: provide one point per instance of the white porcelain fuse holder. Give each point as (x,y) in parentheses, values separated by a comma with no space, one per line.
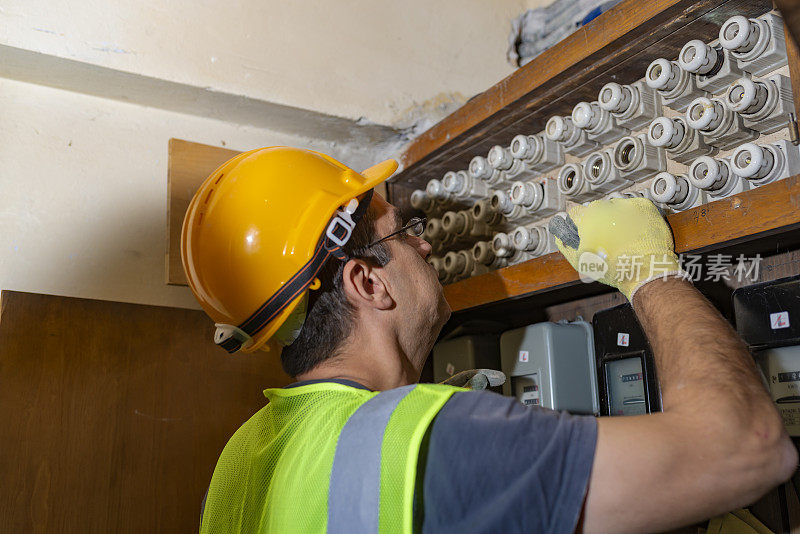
(764,164)
(434,231)
(503,247)
(715,177)
(602,175)
(469,267)
(483,212)
(540,197)
(513,213)
(598,123)
(480,169)
(675,192)
(477,268)
(436,191)
(632,106)
(722,127)
(764,105)
(573,186)
(421,201)
(457,265)
(537,152)
(637,160)
(501,159)
(484,255)
(463,224)
(758,45)
(714,67)
(435,235)
(683,144)
(572,139)
(438,265)
(461,186)
(536,240)
(676,86)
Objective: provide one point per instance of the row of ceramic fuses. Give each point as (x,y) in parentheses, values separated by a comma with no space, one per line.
(711,125)
(503,249)
(508,239)
(709,178)
(749,107)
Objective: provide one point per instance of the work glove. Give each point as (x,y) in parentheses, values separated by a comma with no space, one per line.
(476,379)
(621,242)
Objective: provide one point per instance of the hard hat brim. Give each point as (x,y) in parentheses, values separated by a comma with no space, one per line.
(378,173)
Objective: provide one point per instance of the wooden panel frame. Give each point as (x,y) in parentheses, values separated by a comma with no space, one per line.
(790,9)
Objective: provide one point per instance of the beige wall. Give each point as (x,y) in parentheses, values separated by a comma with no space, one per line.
(362,58)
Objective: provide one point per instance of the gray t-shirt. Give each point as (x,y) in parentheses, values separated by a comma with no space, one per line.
(494,465)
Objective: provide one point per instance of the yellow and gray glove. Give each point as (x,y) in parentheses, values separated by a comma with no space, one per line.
(621,242)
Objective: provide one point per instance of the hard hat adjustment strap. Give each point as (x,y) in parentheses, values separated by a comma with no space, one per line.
(228,335)
(340,228)
(337,234)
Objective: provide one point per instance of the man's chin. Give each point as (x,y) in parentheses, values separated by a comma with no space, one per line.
(446,312)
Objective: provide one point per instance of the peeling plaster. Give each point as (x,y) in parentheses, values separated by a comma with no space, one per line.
(416,119)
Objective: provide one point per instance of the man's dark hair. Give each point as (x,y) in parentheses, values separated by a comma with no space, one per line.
(330,316)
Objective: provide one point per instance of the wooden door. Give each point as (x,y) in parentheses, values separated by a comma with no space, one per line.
(112,415)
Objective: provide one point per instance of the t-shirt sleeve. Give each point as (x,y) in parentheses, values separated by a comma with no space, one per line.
(494,465)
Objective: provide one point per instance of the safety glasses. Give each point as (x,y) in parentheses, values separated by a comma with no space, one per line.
(414,227)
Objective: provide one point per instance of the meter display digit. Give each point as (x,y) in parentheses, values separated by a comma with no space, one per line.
(626,386)
(527,389)
(780,365)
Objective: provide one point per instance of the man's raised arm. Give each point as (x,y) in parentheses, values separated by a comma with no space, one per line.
(720,443)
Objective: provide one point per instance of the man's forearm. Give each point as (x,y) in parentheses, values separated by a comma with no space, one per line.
(699,358)
(712,392)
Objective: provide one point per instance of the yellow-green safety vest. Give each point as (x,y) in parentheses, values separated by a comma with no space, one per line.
(324,457)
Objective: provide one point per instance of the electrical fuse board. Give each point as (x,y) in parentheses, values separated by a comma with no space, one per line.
(713,122)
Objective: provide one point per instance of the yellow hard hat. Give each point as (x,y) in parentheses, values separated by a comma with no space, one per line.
(260,228)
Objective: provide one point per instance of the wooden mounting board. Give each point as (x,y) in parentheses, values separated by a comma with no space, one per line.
(745,217)
(189,165)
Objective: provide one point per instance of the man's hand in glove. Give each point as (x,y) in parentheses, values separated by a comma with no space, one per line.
(623,242)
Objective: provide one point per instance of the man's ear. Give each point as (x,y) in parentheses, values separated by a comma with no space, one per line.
(364,285)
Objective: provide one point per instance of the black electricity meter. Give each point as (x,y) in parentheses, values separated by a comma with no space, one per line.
(768,319)
(626,371)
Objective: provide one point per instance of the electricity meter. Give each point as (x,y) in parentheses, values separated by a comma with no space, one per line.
(768,319)
(626,370)
(551,365)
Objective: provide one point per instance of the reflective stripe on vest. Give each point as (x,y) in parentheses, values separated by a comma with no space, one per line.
(279,472)
(354,491)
